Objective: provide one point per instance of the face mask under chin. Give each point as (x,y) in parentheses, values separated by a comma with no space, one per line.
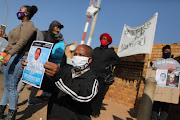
(55,32)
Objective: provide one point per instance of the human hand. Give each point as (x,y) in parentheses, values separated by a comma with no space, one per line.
(154,68)
(6,60)
(2,34)
(51,68)
(24,63)
(170,70)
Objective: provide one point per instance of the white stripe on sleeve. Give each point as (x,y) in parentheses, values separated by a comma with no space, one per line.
(75,96)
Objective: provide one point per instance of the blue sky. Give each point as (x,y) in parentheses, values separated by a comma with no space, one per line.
(112,17)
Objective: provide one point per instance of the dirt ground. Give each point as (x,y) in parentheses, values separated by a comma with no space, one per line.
(110,110)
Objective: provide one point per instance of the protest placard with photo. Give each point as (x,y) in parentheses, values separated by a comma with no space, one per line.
(173,79)
(166,79)
(38,55)
(161,77)
(165,92)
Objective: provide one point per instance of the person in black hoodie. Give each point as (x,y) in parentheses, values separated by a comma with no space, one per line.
(54,29)
(73,89)
(103,58)
(51,36)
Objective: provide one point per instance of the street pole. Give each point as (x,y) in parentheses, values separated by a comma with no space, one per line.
(93,25)
(145,108)
(86,26)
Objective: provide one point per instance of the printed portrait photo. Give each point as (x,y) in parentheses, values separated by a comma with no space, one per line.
(161,77)
(173,79)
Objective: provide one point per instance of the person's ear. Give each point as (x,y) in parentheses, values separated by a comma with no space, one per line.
(90,60)
(26,14)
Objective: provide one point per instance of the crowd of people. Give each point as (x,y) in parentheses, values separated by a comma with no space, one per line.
(75,91)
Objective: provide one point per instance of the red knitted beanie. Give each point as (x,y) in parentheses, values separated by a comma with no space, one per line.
(108,36)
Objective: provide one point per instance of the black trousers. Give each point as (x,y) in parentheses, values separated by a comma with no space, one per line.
(97,101)
(160,110)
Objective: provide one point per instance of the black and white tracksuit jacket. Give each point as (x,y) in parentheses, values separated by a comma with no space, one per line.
(71,97)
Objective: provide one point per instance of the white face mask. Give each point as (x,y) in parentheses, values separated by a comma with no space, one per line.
(80,63)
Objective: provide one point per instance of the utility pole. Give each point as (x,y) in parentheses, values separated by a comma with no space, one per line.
(93,25)
(86,26)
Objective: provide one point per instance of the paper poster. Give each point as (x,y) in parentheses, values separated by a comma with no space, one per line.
(38,55)
(161,77)
(173,79)
(166,79)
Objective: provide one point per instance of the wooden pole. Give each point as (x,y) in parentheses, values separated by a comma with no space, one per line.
(149,60)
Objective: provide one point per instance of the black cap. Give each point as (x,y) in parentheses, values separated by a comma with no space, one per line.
(60,26)
(166,47)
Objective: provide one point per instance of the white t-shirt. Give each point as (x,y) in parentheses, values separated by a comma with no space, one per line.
(36,64)
(166,64)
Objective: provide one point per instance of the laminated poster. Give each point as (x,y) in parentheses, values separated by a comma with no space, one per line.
(38,55)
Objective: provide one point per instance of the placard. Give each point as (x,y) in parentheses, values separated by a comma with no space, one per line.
(38,55)
(167,91)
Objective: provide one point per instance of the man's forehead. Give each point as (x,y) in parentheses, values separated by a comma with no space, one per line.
(38,50)
(80,49)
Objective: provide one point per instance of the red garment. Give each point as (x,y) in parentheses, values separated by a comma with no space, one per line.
(108,36)
(171,83)
(3,54)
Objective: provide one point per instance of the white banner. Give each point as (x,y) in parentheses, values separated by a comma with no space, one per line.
(138,40)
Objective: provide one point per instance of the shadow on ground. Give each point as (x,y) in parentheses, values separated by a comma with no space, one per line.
(22,103)
(103,106)
(133,113)
(116,118)
(30,110)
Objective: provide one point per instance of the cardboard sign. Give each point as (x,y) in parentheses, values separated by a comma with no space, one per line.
(150,73)
(164,93)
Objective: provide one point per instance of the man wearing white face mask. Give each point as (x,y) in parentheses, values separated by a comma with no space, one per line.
(73,90)
(80,63)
